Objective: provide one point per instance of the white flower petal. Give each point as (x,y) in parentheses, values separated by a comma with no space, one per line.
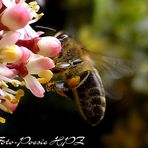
(32,33)
(8,3)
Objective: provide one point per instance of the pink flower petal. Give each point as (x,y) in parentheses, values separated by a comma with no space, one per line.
(34,86)
(37,64)
(26,54)
(6,72)
(9,39)
(1,4)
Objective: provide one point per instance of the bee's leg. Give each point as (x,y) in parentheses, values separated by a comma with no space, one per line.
(57,86)
(61,88)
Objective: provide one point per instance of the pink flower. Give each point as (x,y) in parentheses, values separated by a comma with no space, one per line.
(49,46)
(7,106)
(18,15)
(9,99)
(15,17)
(35,66)
(32,64)
(9,52)
(24,63)
(24,55)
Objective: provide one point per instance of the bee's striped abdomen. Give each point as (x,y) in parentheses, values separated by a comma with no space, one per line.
(90,97)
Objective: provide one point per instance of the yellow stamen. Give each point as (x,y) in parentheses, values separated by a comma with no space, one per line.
(38,16)
(15,83)
(45,75)
(19,94)
(34,5)
(7,96)
(23,83)
(3,84)
(2,120)
(10,54)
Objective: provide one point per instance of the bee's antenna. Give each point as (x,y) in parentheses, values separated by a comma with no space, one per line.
(47,28)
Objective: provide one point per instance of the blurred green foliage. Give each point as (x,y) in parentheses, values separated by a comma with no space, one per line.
(116,28)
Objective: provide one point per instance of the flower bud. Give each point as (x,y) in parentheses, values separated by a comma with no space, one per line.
(15,17)
(49,46)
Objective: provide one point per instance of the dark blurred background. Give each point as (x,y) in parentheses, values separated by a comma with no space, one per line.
(118,28)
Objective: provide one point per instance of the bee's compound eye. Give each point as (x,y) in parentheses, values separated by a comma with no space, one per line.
(62,37)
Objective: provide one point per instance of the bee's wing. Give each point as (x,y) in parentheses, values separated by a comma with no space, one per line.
(111,69)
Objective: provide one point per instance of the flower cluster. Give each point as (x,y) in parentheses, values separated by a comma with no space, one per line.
(25,56)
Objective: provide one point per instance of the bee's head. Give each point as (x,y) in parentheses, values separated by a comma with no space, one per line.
(62,36)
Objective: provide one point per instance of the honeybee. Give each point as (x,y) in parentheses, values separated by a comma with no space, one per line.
(77,78)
